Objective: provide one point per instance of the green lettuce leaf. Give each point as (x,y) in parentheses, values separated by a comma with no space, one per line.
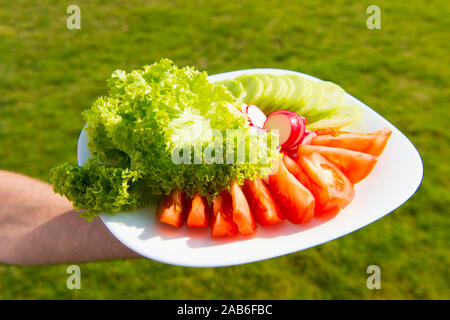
(98,188)
(148,115)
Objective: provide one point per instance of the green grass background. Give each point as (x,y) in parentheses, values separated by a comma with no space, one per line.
(49,74)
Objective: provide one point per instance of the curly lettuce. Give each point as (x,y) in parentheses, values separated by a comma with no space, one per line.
(148,115)
(98,188)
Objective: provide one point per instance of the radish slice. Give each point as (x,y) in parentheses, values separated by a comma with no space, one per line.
(256,116)
(289,125)
(291,152)
(244,111)
(292,149)
(302,132)
(308,137)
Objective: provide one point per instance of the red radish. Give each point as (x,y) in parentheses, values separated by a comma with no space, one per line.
(290,126)
(301,135)
(292,152)
(308,137)
(301,118)
(256,117)
(244,111)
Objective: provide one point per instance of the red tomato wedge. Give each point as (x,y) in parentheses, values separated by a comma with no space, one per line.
(222,224)
(262,203)
(330,186)
(372,143)
(297,171)
(171,209)
(242,215)
(294,198)
(308,137)
(331,211)
(355,165)
(198,212)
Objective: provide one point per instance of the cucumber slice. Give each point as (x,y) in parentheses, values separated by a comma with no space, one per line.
(268,97)
(290,91)
(316,100)
(321,113)
(253,86)
(267,82)
(303,90)
(334,97)
(342,116)
(334,94)
(281,89)
(269,92)
(235,87)
(276,94)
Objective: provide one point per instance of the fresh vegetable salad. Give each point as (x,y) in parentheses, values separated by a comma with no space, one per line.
(229,156)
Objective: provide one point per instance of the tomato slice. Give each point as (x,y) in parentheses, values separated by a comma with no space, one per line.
(222,224)
(171,209)
(372,143)
(331,187)
(242,215)
(198,212)
(294,198)
(355,165)
(297,171)
(262,203)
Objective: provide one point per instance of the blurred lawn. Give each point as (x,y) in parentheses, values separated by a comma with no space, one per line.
(49,74)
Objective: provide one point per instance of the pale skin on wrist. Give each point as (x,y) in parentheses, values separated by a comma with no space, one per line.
(40,227)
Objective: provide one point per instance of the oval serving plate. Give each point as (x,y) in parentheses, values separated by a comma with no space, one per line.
(393,181)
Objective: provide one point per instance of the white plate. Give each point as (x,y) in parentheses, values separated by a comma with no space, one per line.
(393,181)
